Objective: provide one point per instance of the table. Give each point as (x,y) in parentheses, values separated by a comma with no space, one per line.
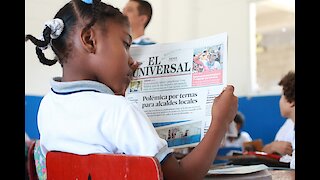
(267,174)
(282,174)
(276,170)
(253,159)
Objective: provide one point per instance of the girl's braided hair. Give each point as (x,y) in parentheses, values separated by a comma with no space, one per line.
(74,13)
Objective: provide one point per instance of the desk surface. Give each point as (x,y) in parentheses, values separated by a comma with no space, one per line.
(253,159)
(282,174)
(275,175)
(277,170)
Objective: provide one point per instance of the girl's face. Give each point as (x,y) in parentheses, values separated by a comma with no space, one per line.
(112,65)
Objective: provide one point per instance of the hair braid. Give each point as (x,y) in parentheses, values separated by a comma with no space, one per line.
(43,59)
(75,12)
(95,13)
(42,43)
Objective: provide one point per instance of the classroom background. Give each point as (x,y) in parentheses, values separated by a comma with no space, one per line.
(260,50)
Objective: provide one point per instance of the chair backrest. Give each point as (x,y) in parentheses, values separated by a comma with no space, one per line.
(63,165)
(31,165)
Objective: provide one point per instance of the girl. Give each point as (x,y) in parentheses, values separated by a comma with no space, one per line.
(86,111)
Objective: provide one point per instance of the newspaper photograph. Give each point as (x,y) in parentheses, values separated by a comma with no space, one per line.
(176,85)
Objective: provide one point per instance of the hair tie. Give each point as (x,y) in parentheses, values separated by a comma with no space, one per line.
(87,1)
(56,25)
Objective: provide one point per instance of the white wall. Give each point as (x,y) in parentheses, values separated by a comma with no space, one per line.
(173,21)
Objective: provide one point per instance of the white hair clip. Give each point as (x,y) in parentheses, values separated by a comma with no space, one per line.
(56,25)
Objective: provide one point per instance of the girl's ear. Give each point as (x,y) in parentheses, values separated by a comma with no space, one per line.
(88,40)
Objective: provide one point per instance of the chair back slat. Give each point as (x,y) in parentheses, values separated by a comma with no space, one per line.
(63,165)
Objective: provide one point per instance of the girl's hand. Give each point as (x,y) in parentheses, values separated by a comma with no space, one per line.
(225,106)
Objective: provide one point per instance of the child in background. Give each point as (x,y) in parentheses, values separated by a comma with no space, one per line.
(242,136)
(286,145)
(282,141)
(86,112)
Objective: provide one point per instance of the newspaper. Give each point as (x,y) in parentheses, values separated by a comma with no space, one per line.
(248,172)
(234,169)
(176,85)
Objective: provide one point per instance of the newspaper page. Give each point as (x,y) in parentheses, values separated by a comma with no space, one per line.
(176,85)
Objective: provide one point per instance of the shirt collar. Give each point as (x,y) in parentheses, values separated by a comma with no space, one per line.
(59,87)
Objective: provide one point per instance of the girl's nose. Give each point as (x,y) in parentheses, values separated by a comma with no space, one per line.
(133,64)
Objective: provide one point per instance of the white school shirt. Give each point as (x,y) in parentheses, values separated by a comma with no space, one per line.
(244,137)
(85,117)
(293,156)
(286,132)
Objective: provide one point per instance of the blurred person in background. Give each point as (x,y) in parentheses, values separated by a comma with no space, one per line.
(284,143)
(139,13)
